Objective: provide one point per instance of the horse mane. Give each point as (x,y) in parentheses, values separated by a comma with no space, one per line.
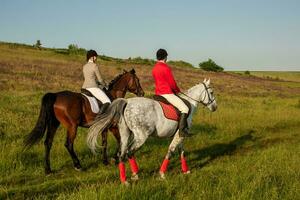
(116,79)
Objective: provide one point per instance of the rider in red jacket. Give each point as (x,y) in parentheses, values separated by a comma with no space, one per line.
(165,85)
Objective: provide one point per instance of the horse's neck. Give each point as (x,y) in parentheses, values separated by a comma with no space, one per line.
(192,95)
(118,89)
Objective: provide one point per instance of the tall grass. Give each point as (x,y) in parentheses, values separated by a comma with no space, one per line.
(248,149)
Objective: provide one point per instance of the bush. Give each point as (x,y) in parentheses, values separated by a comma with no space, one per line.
(210,65)
(180,63)
(74,49)
(247,72)
(142,61)
(106,58)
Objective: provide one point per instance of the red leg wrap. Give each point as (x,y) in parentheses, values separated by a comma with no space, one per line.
(184,165)
(133,165)
(164,166)
(122,172)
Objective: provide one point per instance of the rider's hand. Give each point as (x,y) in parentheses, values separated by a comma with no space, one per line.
(105,84)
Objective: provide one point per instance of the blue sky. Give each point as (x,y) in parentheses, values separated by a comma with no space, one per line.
(237,34)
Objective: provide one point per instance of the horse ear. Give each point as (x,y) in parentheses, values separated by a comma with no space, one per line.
(124,71)
(208,82)
(204,80)
(132,71)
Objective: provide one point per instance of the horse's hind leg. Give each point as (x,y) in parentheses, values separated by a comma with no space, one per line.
(104,145)
(116,133)
(140,136)
(124,136)
(51,130)
(174,144)
(71,135)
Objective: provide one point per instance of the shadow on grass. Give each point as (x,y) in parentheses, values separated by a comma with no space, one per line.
(217,150)
(204,128)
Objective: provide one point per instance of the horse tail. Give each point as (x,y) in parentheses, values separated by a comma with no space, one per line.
(45,116)
(102,122)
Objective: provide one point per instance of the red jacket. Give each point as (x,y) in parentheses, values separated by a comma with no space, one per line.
(164,80)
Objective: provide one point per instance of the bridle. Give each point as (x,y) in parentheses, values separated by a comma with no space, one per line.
(138,90)
(210,100)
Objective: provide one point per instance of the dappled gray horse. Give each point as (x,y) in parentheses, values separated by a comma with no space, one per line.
(138,118)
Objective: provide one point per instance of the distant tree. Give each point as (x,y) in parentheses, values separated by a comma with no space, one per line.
(247,72)
(74,49)
(38,44)
(210,65)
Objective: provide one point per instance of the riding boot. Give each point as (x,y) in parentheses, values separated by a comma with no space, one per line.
(183,125)
(103,108)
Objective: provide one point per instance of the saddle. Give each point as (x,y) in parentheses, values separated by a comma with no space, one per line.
(170,111)
(94,102)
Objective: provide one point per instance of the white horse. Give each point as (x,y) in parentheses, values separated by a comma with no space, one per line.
(138,118)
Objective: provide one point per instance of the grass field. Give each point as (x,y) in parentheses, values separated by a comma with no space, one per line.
(248,149)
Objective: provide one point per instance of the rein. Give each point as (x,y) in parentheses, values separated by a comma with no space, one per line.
(210,101)
(124,89)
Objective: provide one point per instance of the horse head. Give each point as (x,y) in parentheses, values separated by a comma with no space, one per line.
(202,93)
(207,96)
(127,81)
(134,85)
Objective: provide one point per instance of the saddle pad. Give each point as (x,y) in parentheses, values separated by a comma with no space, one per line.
(169,111)
(93,103)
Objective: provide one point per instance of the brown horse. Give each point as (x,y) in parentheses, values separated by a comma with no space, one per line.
(72,110)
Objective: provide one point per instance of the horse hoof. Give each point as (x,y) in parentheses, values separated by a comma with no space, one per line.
(79,169)
(134,177)
(105,162)
(48,172)
(187,172)
(162,176)
(125,183)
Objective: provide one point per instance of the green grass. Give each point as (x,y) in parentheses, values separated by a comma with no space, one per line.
(248,149)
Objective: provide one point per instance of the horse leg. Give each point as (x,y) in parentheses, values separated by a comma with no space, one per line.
(184,166)
(52,127)
(116,134)
(124,135)
(71,135)
(104,145)
(177,140)
(137,143)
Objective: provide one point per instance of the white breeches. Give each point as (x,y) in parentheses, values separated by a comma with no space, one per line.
(99,94)
(177,102)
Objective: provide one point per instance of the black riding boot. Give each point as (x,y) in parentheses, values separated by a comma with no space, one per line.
(183,125)
(103,108)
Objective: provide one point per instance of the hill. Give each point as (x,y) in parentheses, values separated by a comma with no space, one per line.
(248,149)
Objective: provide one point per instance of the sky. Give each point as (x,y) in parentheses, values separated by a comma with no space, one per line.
(236,34)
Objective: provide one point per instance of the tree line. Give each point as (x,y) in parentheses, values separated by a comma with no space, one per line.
(73,49)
